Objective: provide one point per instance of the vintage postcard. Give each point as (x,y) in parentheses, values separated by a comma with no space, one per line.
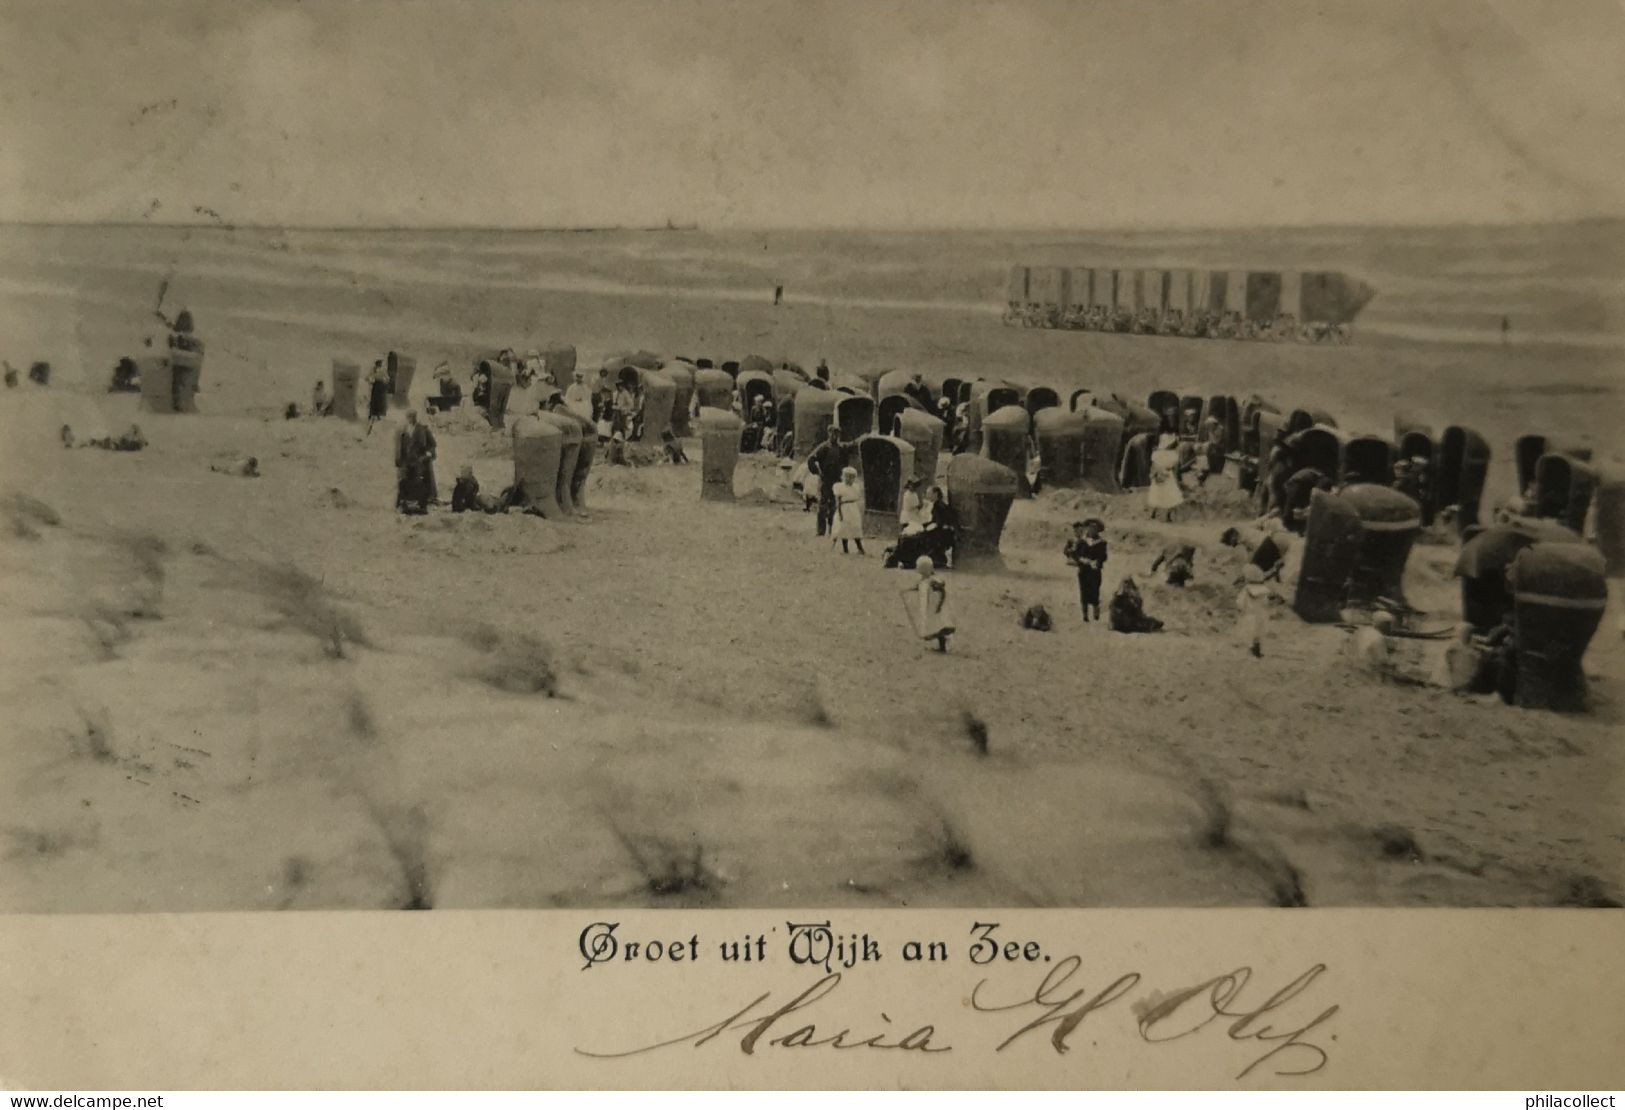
(1014,544)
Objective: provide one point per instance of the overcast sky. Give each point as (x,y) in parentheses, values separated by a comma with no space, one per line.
(1022,113)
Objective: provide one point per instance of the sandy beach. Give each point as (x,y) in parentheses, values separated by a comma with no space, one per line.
(276,693)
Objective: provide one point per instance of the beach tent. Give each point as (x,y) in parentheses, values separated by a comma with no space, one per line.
(1526,452)
(1163,402)
(753,384)
(1486,595)
(1608,520)
(1461,461)
(186,368)
(980,492)
(1366,459)
(815,412)
(890,408)
(659,398)
(855,414)
(1563,489)
(1191,404)
(1263,296)
(569,452)
(1235,291)
(713,389)
(1559,592)
(1134,470)
(757,363)
(1080,291)
(584,458)
(1317,446)
(1224,408)
(731,368)
(1154,290)
(1414,440)
(346,377)
(1005,441)
(1204,297)
(502,382)
(1102,442)
(1016,285)
(1060,437)
(1081,399)
(886,462)
(158,384)
(1356,545)
(537,447)
(1291,298)
(1042,397)
(786,383)
(637,360)
(924,433)
(682,401)
(720,431)
(1256,440)
(1047,286)
(401,370)
(892,383)
(1179,292)
(1102,291)
(560,361)
(1331,298)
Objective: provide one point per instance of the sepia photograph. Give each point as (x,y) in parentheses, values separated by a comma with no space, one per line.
(548,455)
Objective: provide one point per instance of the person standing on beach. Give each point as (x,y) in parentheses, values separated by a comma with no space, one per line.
(1164,492)
(414,466)
(377,394)
(848,522)
(778,295)
(1086,551)
(929,612)
(1506,331)
(827,461)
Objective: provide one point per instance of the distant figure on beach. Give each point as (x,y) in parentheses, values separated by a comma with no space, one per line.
(673,447)
(919,391)
(1506,330)
(1180,559)
(848,523)
(1086,552)
(778,295)
(414,466)
(1253,608)
(826,461)
(1164,493)
(929,613)
(1128,610)
(578,397)
(377,394)
(242,468)
(821,372)
(911,507)
(319,403)
(11,376)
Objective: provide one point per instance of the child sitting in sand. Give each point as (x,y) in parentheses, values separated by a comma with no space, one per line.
(243,468)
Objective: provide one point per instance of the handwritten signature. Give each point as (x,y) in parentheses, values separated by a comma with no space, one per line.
(1061,1008)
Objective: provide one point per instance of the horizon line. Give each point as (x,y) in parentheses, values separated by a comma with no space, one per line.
(571,229)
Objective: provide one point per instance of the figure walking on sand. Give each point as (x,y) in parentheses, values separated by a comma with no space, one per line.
(1253,606)
(848,523)
(1164,492)
(1086,551)
(928,609)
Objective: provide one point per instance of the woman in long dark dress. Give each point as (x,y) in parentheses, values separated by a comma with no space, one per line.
(414,466)
(377,392)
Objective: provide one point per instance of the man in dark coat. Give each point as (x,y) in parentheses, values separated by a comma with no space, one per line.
(1300,491)
(827,461)
(414,466)
(917,389)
